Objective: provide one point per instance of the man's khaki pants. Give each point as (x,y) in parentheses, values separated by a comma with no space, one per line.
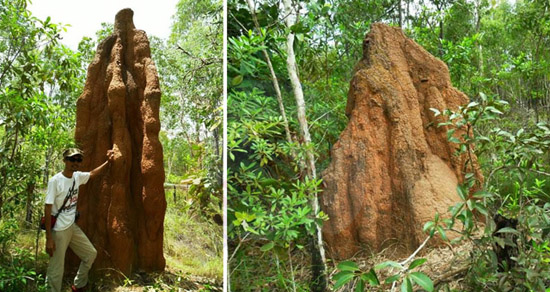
(74,238)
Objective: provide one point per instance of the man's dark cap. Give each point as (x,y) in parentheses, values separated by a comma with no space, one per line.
(72,152)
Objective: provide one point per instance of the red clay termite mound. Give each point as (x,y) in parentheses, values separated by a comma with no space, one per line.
(392,168)
(123,212)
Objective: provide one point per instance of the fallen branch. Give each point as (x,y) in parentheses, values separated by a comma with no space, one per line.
(410,258)
(447,277)
(238,246)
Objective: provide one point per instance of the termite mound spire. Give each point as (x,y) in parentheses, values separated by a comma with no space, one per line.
(123,212)
(392,168)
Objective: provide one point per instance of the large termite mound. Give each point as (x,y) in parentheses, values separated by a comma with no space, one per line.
(123,211)
(392,168)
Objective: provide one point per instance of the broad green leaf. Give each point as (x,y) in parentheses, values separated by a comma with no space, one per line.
(482,194)
(472,104)
(267,246)
(456,208)
(436,112)
(428,226)
(508,230)
(454,140)
(441,232)
(483,96)
(470,204)
(423,280)
(371,278)
(237,80)
(481,209)
(493,110)
(461,192)
(388,264)
(406,286)
(519,132)
(392,279)
(360,287)
(342,278)
(348,266)
(417,263)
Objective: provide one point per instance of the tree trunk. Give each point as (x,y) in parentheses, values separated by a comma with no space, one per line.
(440,13)
(4,174)
(319,282)
(274,80)
(441,38)
(408,13)
(328,73)
(219,172)
(478,27)
(30,192)
(46,176)
(216,136)
(170,163)
(400,13)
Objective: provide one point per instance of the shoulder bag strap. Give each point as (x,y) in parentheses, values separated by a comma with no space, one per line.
(67,197)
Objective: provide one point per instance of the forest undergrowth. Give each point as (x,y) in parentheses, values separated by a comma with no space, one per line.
(475,250)
(192,248)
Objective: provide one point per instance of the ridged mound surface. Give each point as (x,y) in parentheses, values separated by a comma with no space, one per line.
(123,212)
(392,168)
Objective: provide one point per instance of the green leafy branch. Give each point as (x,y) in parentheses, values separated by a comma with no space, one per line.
(351,275)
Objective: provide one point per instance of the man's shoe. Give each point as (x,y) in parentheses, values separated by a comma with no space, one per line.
(81,289)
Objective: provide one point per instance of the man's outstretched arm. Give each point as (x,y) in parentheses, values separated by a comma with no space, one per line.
(102,168)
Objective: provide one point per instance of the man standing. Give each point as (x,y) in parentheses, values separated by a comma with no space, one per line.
(63,195)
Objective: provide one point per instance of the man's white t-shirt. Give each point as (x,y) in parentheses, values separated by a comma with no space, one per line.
(58,188)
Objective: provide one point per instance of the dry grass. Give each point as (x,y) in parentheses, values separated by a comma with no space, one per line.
(192,248)
(445,264)
(193,245)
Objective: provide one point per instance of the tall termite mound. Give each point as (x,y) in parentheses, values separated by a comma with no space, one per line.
(123,211)
(392,168)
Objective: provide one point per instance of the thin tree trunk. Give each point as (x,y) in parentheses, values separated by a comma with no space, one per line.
(439,7)
(328,73)
(219,176)
(4,171)
(274,80)
(441,38)
(170,162)
(216,135)
(400,14)
(291,269)
(480,65)
(536,107)
(318,269)
(407,19)
(30,191)
(45,177)
(478,27)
